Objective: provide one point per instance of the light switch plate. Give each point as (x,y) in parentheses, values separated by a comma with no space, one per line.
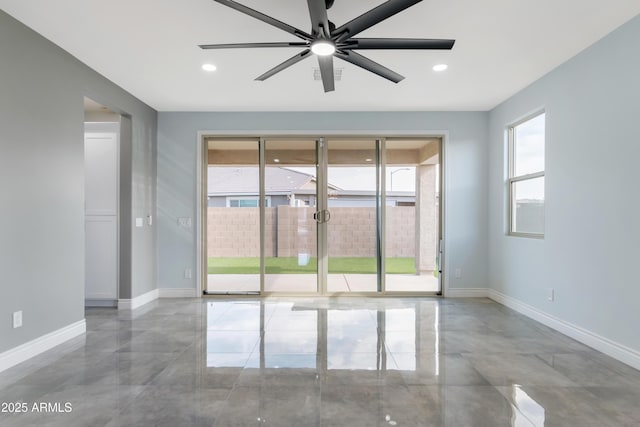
(184,222)
(139,222)
(17,319)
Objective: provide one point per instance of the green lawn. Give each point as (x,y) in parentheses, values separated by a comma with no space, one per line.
(290,266)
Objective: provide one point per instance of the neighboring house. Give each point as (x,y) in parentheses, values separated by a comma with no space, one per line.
(529,215)
(238,187)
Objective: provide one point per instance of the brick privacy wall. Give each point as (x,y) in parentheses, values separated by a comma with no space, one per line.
(401,235)
(352,232)
(296,231)
(235,232)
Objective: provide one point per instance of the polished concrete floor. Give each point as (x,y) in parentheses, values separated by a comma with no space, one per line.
(322,362)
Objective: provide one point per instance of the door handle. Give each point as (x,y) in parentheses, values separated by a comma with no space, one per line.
(322,216)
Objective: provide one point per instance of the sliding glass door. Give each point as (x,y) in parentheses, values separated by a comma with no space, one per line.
(412,215)
(290,230)
(353,204)
(323,215)
(233,216)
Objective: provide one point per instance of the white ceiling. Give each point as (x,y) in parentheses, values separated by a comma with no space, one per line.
(149,47)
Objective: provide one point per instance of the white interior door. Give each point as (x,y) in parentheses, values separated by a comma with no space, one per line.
(101,216)
(101,248)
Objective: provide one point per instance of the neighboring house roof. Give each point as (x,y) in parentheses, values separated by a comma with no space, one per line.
(223,180)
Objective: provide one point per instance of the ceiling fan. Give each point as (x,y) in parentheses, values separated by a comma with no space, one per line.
(326,40)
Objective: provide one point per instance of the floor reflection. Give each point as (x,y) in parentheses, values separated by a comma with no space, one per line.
(322,335)
(323,362)
(526,411)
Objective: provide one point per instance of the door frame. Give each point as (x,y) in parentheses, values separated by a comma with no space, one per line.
(201,199)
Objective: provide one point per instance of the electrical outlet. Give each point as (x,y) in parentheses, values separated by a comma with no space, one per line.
(187,273)
(458,273)
(550,294)
(17,319)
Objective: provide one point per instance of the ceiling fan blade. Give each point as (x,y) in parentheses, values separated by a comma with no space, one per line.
(265,18)
(318,14)
(286,64)
(372,17)
(326,71)
(398,44)
(252,45)
(369,65)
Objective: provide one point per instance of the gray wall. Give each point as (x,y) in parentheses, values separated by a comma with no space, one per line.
(41,165)
(591,248)
(466,164)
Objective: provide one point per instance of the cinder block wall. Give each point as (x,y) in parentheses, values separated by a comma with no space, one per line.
(296,231)
(400,234)
(235,232)
(352,232)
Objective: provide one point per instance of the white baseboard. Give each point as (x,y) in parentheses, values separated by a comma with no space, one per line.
(467,293)
(139,301)
(41,344)
(611,348)
(177,293)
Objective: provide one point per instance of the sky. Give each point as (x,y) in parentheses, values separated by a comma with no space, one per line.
(530,141)
(529,157)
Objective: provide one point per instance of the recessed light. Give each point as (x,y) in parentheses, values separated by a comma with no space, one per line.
(276,160)
(368,160)
(440,67)
(209,67)
(323,47)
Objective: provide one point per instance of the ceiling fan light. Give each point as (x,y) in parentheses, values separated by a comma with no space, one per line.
(323,48)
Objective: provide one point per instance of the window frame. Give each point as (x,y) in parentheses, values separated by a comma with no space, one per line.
(229,199)
(512,180)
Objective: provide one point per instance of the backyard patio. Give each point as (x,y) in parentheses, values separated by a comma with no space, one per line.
(346,274)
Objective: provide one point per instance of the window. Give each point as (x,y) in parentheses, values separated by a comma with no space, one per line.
(246,202)
(526,177)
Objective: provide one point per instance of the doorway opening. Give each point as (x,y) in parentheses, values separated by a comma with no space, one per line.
(101,159)
(328,216)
